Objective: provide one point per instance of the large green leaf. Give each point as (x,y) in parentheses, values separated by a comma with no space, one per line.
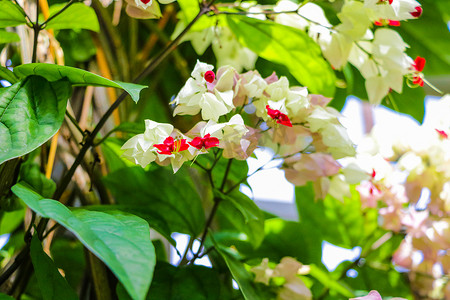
(50,281)
(112,152)
(340,223)
(31,112)
(69,255)
(77,45)
(410,102)
(8,37)
(238,213)
(9,221)
(77,16)
(31,174)
(76,77)
(167,196)
(287,238)
(184,283)
(11,14)
(155,221)
(288,46)
(5,297)
(121,241)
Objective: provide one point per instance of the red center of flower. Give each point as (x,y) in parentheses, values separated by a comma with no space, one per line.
(417,13)
(145,1)
(210,76)
(373,173)
(442,134)
(170,146)
(277,115)
(382,1)
(204,142)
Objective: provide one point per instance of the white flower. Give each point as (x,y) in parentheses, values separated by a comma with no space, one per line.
(334,135)
(139,149)
(202,93)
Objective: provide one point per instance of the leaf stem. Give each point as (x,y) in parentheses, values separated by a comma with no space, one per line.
(37,29)
(42,26)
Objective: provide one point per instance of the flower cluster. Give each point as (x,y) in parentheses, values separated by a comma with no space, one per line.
(418,206)
(299,127)
(362,38)
(292,287)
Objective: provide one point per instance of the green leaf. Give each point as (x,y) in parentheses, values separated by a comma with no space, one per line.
(50,281)
(122,242)
(166,196)
(8,37)
(77,45)
(76,16)
(238,213)
(287,238)
(324,278)
(113,155)
(68,255)
(250,290)
(155,221)
(8,75)
(31,112)
(9,221)
(184,283)
(11,14)
(340,223)
(410,102)
(31,174)
(77,77)
(387,281)
(5,297)
(288,46)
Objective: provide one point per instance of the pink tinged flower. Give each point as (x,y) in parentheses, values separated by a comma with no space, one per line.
(373,295)
(310,167)
(278,116)
(209,76)
(442,134)
(205,142)
(171,146)
(418,12)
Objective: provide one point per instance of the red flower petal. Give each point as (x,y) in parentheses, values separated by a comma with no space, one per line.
(442,134)
(170,146)
(417,13)
(419,63)
(210,142)
(394,23)
(278,116)
(205,142)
